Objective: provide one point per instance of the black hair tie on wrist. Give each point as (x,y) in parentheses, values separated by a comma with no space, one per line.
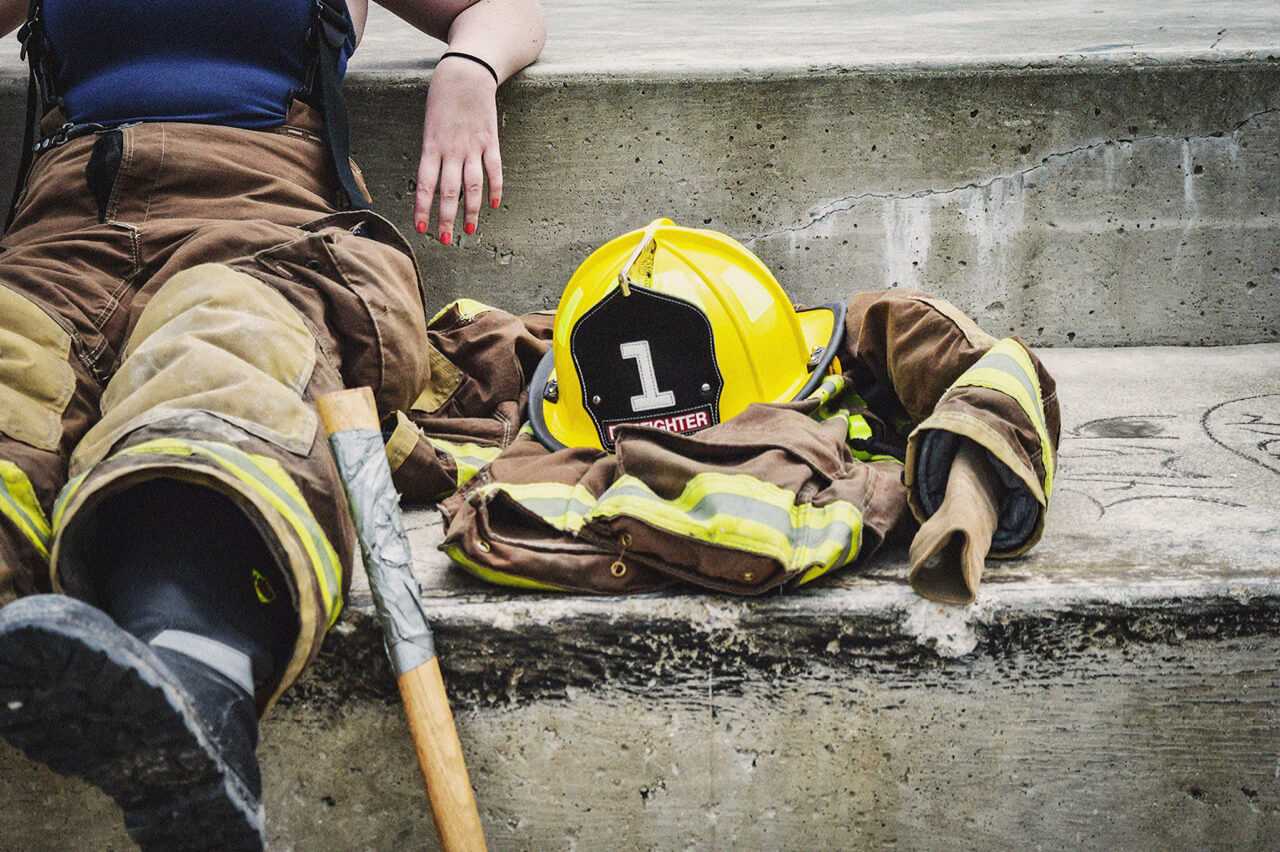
(476,59)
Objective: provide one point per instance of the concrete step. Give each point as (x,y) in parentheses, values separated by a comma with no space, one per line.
(1116,688)
(1074,172)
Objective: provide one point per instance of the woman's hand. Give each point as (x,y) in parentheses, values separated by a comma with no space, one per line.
(460,130)
(459,146)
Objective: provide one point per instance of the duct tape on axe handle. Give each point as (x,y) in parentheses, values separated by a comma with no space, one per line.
(375,508)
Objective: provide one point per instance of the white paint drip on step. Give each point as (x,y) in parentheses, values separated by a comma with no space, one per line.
(1109,167)
(948,630)
(1188,179)
(1190,209)
(994,215)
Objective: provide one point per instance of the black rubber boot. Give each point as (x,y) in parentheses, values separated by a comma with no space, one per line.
(86,698)
(151,698)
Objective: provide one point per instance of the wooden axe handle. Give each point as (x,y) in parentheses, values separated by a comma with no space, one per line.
(426,707)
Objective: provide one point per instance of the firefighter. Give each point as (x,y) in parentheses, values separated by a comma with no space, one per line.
(189,261)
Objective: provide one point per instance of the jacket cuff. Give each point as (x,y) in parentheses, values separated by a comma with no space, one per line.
(998,405)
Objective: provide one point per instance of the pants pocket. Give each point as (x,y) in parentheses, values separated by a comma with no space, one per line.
(373,313)
(104,165)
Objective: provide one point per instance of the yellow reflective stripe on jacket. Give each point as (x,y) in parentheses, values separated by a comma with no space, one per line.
(268,479)
(1007,368)
(468,458)
(468,309)
(497,577)
(745,513)
(734,510)
(560,505)
(18,503)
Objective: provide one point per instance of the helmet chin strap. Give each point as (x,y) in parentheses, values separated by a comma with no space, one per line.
(641,260)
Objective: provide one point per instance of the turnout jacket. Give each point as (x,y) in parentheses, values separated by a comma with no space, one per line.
(780,494)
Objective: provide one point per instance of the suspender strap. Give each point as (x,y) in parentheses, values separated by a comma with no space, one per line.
(31,34)
(331,29)
(24,164)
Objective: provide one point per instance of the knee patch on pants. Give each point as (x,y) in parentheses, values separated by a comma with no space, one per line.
(214,340)
(36,380)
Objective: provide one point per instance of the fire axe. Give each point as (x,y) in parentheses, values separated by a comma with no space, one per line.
(351,421)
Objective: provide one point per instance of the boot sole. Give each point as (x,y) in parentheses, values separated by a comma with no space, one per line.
(83,697)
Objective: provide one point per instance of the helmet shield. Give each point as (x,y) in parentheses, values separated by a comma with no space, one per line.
(649,359)
(673,328)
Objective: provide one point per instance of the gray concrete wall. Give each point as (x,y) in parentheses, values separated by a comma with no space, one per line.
(1075,734)
(1118,205)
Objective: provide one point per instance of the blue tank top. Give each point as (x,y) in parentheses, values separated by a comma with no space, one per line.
(230,62)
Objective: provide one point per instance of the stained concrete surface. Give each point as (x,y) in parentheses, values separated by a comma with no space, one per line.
(1116,688)
(661,37)
(1092,207)
(1080,173)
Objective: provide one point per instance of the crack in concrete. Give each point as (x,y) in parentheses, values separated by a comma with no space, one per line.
(848,202)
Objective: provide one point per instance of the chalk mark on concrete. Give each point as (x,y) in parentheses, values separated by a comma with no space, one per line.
(1249,427)
(1112,461)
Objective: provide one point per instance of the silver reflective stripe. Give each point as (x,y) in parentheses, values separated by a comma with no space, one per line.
(1007,364)
(228,661)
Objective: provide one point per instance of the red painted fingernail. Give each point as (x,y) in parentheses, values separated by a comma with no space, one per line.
(493,202)
(446,238)
(422,227)
(470,227)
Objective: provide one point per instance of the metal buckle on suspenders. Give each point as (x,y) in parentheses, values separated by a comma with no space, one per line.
(333,21)
(65,134)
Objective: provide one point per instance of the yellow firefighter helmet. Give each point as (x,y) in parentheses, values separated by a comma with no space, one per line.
(677,329)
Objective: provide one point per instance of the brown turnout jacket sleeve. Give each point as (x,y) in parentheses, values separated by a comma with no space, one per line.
(780,494)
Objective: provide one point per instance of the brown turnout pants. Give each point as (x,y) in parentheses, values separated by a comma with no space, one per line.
(172,297)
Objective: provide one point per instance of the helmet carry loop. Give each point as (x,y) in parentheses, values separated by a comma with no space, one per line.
(330,28)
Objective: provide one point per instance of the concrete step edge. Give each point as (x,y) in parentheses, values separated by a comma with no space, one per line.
(1187,552)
